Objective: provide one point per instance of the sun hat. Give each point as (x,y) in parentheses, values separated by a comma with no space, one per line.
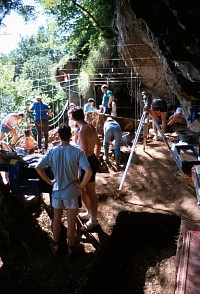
(110,118)
(91,100)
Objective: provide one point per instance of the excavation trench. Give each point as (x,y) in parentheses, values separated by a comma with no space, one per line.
(139,241)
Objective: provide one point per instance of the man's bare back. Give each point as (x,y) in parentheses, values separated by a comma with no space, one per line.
(10,120)
(88,139)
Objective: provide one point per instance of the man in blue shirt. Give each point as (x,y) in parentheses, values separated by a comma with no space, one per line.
(89,107)
(107,99)
(42,113)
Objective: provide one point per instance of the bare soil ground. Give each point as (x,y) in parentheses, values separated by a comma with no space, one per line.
(135,248)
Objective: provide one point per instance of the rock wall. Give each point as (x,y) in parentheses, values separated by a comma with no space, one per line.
(160,40)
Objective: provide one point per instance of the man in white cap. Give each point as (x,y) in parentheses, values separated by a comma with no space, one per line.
(42,113)
(89,107)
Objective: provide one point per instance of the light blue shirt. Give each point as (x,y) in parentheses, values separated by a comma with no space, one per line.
(87,107)
(65,162)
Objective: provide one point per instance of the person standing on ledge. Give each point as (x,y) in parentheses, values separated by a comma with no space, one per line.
(107,99)
(41,119)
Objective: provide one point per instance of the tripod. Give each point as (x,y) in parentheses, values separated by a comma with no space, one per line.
(143,124)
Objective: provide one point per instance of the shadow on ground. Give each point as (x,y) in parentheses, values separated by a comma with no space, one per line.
(138,241)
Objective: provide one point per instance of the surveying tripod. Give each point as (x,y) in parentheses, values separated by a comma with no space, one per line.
(144,125)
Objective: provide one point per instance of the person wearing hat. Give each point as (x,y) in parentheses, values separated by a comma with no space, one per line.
(107,99)
(112,132)
(89,107)
(42,113)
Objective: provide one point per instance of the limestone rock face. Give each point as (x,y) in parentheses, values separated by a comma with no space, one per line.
(160,41)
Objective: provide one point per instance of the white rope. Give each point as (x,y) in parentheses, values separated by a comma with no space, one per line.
(59,115)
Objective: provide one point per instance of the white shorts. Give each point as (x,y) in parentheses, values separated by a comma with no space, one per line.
(67,203)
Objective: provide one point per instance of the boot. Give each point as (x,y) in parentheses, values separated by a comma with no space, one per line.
(106,157)
(118,158)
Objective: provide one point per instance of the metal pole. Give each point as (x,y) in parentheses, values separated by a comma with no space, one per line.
(132,152)
(69,90)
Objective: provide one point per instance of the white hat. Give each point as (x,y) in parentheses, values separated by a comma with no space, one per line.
(109,118)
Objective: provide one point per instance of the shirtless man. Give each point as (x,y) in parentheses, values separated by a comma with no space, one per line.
(9,125)
(89,142)
(28,144)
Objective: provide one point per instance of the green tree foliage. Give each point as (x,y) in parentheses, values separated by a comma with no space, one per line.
(82,33)
(26,11)
(85,21)
(89,24)
(30,69)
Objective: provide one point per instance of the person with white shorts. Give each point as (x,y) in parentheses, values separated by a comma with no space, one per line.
(65,161)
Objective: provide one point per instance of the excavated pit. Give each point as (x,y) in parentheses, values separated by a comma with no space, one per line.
(138,242)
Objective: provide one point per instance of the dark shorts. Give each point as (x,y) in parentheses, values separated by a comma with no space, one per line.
(4,128)
(159,104)
(93,161)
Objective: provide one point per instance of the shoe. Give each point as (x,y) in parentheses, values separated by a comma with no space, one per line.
(105,158)
(54,246)
(75,251)
(84,215)
(89,225)
(119,167)
(155,138)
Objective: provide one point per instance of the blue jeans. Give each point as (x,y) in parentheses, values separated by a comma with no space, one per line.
(42,126)
(113,132)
